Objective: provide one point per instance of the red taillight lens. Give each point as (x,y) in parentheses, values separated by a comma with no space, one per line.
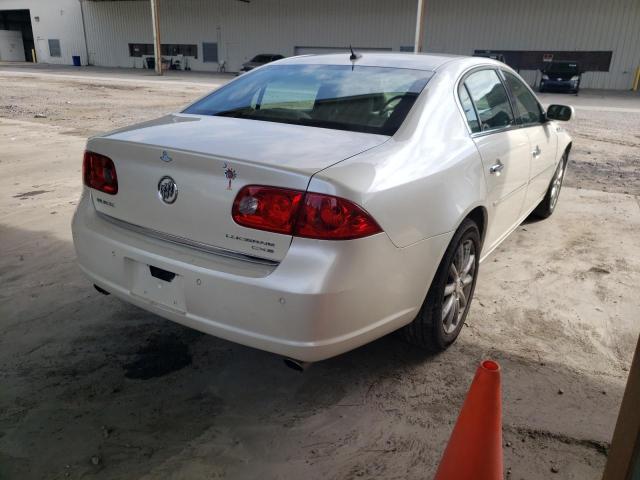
(99,172)
(267,208)
(333,218)
(292,212)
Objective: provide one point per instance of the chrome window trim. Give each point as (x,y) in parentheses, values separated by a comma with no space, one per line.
(495,130)
(184,242)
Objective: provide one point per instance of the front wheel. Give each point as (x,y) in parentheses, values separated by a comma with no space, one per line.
(550,200)
(445,308)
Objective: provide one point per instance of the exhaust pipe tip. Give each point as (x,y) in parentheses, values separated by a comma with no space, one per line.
(101,290)
(297,365)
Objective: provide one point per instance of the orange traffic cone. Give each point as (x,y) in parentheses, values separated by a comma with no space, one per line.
(474,450)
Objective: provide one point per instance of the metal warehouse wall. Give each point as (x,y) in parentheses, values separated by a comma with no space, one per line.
(58,19)
(245,29)
(278,26)
(461,26)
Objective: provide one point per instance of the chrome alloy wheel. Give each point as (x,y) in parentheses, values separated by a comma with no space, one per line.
(556,185)
(458,287)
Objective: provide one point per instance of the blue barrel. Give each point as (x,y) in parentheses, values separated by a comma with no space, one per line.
(76,60)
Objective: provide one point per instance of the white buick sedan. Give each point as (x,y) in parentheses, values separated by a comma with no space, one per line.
(321,202)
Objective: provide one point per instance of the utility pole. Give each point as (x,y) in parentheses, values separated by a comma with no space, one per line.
(84,31)
(157,51)
(418,45)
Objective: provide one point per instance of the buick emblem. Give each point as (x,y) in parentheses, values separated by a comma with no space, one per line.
(165,156)
(167,190)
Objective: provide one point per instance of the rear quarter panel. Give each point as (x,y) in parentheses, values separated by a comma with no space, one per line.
(423,181)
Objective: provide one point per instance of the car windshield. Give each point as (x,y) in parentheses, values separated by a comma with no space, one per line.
(262,58)
(354,98)
(562,68)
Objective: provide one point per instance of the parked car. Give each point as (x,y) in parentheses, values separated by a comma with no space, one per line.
(490,54)
(260,60)
(561,77)
(319,203)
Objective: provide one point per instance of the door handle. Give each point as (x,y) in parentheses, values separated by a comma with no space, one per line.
(496,168)
(536,152)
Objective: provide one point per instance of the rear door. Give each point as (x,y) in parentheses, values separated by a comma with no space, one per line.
(542,136)
(504,149)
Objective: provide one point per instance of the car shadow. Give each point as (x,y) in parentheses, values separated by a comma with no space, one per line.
(95,386)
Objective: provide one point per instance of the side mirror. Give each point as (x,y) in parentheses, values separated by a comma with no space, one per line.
(563,113)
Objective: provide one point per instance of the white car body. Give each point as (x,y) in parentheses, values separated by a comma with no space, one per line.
(298,297)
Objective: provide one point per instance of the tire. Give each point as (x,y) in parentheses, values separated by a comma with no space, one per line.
(429,329)
(548,204)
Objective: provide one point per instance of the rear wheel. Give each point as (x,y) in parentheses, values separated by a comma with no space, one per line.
(550,200)
(445,309)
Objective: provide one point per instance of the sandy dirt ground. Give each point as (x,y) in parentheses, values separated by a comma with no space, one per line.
(91,387)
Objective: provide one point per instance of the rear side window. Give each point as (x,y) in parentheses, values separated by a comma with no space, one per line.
(354,98)
(528,109)
(491,100)
(469,110)
(562,68)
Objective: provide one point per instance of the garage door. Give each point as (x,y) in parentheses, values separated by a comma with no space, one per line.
(319,50)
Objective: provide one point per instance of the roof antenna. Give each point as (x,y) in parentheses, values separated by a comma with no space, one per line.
(354,56)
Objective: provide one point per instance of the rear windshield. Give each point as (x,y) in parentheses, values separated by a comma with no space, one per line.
(358,99)
(562,67)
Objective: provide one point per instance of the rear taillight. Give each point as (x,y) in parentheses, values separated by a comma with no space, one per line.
(293,212)
(99,172)
(267,208)
(333,218)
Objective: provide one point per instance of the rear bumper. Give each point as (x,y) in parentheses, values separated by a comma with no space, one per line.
(323,299)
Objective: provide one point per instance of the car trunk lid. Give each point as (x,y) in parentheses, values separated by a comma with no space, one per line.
(209,159)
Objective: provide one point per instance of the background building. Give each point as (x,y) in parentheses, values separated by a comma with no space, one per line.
(204,34)
(51,28)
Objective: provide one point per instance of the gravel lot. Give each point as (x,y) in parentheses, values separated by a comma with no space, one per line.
(92,387)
